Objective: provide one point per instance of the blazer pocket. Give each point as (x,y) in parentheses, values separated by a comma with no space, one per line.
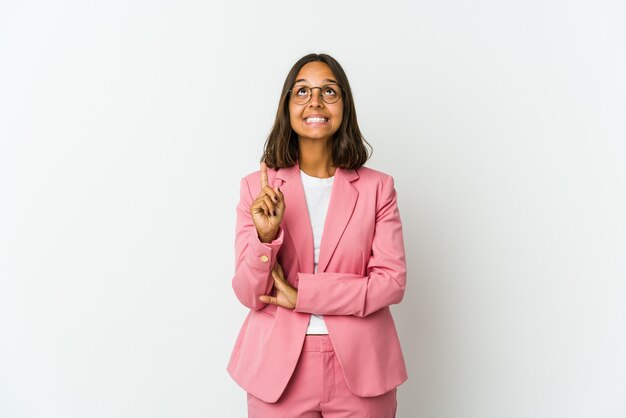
(269,310)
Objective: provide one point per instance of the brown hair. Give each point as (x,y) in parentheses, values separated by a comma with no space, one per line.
(348,145)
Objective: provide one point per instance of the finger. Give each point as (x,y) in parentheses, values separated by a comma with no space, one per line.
(279,281)
(270,204)
(264,181)
(271,192)
(268,299)
(278,192)
(285,289)
(280,286)
(261,207)
(256,206)
(278,269)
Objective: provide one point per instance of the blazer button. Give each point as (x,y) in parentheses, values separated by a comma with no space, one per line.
(264,258)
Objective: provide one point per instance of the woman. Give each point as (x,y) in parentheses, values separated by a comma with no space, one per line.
(319,259)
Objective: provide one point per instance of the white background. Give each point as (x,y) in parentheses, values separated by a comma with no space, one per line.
(125,127)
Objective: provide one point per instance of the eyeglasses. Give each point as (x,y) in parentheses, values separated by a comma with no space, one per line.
(302,94)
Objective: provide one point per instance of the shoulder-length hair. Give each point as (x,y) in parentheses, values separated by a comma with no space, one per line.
(348,145)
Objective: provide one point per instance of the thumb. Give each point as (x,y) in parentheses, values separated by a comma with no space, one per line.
(267,299)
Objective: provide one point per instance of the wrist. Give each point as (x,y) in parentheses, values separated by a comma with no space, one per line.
(268,238)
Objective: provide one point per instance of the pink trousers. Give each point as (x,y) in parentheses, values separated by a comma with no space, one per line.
(317,389)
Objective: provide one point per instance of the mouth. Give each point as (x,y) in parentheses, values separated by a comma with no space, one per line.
(316,121)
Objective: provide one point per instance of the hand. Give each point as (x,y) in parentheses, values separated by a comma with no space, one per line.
(286,295)
(268,208)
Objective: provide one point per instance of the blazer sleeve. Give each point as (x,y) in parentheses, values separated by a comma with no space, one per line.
(254,259)
(352,294)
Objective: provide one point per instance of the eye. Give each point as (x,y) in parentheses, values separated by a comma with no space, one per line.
(330,91)
(301,91)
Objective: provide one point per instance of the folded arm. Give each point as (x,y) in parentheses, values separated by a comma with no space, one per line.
(353,294)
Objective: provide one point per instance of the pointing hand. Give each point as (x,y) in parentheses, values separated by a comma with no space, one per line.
(268,208)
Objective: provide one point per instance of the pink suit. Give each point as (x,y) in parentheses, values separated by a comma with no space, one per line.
(361,271)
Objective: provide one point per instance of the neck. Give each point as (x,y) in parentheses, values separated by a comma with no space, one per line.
(315,159)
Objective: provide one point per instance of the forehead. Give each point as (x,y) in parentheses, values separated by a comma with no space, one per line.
(315,72)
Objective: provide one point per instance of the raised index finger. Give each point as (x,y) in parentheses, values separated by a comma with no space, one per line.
(264,181)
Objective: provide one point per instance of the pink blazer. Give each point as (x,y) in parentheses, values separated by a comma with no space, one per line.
(361,271)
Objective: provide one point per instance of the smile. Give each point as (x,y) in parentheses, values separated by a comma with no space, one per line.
(315,120)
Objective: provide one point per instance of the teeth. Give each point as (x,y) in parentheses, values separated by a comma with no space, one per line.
(316,120)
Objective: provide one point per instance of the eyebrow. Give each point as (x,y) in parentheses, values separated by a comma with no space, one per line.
(326,79)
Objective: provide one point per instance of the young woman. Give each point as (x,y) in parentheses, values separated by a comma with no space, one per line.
(319,259)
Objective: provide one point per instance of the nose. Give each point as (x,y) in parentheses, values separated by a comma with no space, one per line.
(315,99)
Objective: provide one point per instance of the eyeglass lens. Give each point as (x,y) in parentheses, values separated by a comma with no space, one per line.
(302,94)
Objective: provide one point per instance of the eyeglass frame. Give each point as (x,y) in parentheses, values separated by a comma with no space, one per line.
(321,95)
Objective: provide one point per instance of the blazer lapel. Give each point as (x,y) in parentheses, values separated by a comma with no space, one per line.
(297,221)
(342,202)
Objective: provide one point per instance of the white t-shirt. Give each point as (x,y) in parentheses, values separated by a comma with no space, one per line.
(317,192)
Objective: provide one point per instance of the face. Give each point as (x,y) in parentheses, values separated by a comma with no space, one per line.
(315,74)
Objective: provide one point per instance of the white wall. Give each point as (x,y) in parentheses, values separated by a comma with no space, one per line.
(125,127)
